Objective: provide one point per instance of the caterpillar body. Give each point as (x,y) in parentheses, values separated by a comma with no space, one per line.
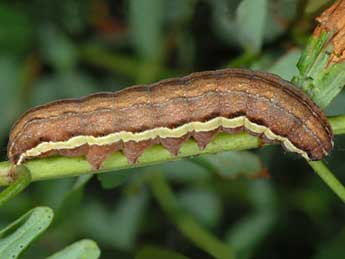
(168,113)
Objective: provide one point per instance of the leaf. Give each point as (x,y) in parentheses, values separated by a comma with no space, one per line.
(186,224)
(223,15)
(245,235)
(280,15)
(153,252)
(146,21)
(183,171)
(74,15)
(119,227)
(286,65)
(114,179)
(332,249)
(232,164)
(262,195)
(17,33)
(10,89)
(126,219)
(186,50)
(68,84)
(83,249)
(321,64)
(263,62)
(251,19)
(19,235)
(337,106)
(313,6)
(71,199)
(23,179)
(56,49)
(250,23)
(52,192)
(178,11)
(95,222)
(204,205)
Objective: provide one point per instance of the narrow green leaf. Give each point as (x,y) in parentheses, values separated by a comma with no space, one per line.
(10,90)
(251,19)
(333,248)
(286,65)
(245,235)
(119,227)
(178,11)
(313,6)
(20,234)
(185,223)
(183,171)
(231,164)
(336,107)
(146,21)
(205,205)
(250,23)
(328,177)
(328,84)
(126,220)
(56,48)
(17,33)
(115,179)
(280,15)
(83,249)
(23,179)
(321,65)
(120,64)
(68,84)
(71,200)
(153,252)
(311,52)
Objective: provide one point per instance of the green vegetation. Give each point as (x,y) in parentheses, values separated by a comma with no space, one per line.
(238,203)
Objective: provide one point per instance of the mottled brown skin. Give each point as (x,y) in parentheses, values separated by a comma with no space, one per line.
(264,98)
(333,20)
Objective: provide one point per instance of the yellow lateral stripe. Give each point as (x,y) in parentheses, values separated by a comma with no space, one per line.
(161,132)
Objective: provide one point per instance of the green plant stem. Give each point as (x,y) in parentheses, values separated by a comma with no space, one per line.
(121,64)
(185,223)
(326,175)
(338,124)
(58,167)
(19,184)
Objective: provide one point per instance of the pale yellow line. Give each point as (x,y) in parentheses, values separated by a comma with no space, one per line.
(161,132)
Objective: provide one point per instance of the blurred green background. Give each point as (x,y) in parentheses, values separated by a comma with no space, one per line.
(264,203)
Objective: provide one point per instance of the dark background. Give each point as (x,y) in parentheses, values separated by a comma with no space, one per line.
(69,48)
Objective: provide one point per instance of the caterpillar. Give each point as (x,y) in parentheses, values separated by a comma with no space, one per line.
(168,113)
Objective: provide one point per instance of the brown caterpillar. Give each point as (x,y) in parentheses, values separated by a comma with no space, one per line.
(169,112)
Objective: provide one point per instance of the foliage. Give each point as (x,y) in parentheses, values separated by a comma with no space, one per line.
(250,204)
(19,234)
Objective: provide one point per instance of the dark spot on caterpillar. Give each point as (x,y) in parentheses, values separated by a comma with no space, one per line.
(43,139)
